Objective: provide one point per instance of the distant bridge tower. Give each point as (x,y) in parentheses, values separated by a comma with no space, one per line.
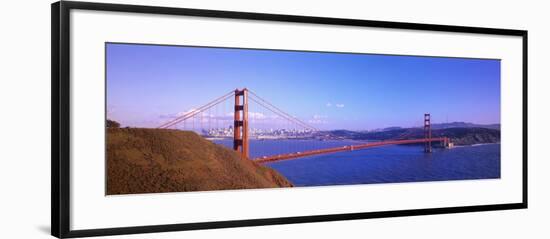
(240,127)
(427,133)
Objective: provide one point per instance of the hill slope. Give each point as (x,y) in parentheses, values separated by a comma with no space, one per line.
(159,160)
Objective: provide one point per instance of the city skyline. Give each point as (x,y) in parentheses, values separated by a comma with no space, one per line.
(149,84)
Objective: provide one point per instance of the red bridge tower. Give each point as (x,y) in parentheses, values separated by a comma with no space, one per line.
(427,133)
(240,126)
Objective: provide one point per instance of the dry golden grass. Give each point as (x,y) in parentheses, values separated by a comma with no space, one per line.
(162,160)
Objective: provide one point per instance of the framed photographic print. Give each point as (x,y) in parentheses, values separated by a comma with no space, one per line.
(167,119)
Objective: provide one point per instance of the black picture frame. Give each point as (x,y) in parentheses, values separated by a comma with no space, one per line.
(60,117)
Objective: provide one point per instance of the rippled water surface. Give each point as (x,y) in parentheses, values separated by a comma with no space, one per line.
(388,164)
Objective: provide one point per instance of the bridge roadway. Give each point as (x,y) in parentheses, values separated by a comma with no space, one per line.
(279,157)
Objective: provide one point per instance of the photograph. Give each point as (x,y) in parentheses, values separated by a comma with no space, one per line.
(169,117)
(203,118)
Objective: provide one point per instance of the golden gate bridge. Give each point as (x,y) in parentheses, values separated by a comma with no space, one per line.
(238,115)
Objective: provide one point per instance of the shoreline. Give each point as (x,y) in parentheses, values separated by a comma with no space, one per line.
(474,145)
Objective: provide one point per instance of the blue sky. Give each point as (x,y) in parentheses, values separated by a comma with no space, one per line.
(148,84)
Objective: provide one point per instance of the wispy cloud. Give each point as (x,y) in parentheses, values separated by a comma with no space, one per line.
(110,110)
(335,105)
(223,116)
(318,119)
(175,115)
(256,116)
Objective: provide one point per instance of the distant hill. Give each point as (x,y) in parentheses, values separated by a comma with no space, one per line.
(341,133)
(459,136)
(444,126)
(464,125)
(162,160)
(469,136)
(386,129)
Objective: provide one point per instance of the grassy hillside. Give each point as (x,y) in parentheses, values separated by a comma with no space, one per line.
(161,160)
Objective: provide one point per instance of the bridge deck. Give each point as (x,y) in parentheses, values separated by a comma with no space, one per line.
(279,157)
